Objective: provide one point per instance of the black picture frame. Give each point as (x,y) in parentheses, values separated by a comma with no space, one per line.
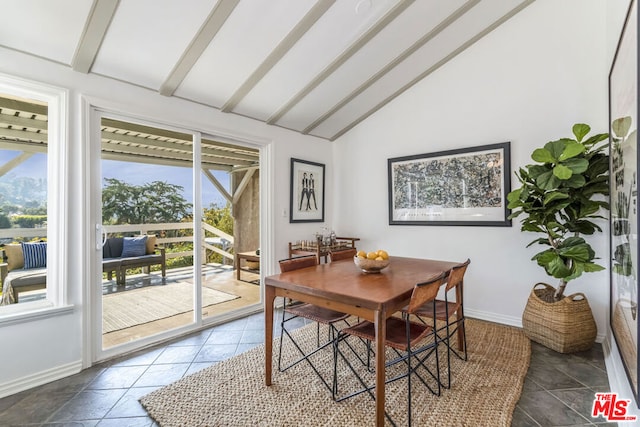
(465,186)
(623,173)
(307,191)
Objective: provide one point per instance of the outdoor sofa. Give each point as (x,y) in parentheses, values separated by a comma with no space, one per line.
(25,269)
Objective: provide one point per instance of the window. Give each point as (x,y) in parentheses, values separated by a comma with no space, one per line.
(32,192)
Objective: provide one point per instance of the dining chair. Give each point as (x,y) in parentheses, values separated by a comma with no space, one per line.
(451,312)
(320,315)
(337,255)
(409,339)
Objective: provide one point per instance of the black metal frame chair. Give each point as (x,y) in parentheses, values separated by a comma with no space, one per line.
(295,309)
(445,310)
(407,338)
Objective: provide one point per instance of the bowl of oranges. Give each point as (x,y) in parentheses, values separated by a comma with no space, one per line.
(371,262)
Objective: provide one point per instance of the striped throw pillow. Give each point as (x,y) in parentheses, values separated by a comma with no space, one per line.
(35,254)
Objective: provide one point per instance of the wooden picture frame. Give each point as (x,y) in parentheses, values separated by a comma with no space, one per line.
(466,186)
(307,191)
(623,173)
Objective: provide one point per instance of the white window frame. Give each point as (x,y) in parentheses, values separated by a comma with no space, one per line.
(57,100)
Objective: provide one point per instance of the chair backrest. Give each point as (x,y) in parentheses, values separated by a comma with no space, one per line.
(296,263)
(456,275)
(425,292)
(342,254)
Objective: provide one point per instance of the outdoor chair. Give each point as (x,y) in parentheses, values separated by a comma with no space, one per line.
(342,254)
(296,309)
(411,342)
(451,312)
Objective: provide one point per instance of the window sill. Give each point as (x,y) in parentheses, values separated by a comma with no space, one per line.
(28,312)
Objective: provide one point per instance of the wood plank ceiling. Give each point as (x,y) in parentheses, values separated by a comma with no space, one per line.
(318,67)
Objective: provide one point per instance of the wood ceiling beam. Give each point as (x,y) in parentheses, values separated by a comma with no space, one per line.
(23,122)
(301,28)
(95,29)
(23,134)
(168,145)
(28,147)
(203,37)
(341,59)
(164,154)
(434,67)
(186,137)
(157,161)
(26,107)
(393,63)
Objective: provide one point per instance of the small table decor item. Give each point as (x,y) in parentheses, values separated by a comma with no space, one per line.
(372,262)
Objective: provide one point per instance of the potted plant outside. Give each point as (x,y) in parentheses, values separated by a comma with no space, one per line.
(561,197)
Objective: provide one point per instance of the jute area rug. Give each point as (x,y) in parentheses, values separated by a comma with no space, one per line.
(138,306)
(484,391)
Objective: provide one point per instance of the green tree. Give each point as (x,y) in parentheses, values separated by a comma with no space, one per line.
(220,218)
(150,203)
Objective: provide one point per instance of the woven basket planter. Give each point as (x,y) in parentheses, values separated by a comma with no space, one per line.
(566,326)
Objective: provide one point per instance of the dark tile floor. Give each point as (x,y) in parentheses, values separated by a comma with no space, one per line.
(559,389)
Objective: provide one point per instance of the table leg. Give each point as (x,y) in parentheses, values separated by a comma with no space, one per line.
(381,337)
(237,267)
(269,298)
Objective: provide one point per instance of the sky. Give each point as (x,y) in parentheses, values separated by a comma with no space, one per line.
(131,173)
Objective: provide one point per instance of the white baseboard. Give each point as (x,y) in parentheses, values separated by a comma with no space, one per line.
(40,378)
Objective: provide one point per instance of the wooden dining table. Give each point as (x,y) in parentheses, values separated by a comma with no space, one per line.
(343,287)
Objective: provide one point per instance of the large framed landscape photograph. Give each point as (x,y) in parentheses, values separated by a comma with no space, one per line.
(466,186)
(623,140)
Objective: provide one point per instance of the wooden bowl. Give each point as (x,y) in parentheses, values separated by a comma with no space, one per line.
(370,265)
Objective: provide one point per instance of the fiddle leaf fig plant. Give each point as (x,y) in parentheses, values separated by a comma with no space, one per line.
(561,197)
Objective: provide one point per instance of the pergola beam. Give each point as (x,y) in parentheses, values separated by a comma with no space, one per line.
(243,185)
(22,157)
(217,184)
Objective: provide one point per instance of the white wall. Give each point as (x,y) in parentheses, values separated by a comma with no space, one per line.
(48,348)
(527,82)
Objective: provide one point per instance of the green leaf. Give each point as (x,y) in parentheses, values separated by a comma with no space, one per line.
(557,268)
(576,181)
(577,165)
(562,172)
(571,150)
(557,147)
(553,196)
(577,253)
(580,130)
(591,267)
(547,181)
(536,170)
(542,155)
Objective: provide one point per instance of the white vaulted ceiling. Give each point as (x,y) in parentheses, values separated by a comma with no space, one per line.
(318,67)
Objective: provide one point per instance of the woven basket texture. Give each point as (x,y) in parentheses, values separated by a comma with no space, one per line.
(566,326)
(484,389)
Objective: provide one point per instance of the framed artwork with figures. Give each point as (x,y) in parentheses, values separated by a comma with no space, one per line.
(623,168)
(307,191)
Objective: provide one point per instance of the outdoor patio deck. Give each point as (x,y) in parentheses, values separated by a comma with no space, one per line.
(215,276)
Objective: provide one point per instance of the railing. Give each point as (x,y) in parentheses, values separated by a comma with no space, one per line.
(226,240)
